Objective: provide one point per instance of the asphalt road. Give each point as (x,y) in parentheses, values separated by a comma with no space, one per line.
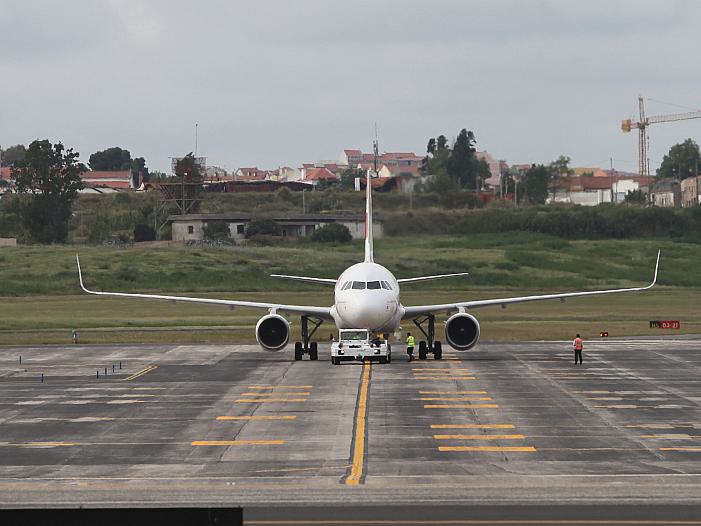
(503,425)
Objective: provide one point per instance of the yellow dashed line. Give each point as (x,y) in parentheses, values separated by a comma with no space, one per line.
(473,426)
(285,417)
(478,437)
(504,449)
(442,379)
(461,406)
(238,442)
(687,449)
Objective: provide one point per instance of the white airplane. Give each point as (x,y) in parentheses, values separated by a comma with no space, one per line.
(367,297)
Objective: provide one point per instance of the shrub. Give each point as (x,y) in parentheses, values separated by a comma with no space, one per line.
(216,230)
(332,233)
(99,230)
(262,227)
(143,232)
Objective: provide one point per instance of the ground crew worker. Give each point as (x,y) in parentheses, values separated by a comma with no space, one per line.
(410,346)
(578,345)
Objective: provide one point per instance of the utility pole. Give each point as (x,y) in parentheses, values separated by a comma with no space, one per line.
(196,125)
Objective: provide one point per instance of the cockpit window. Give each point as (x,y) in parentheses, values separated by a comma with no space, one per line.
(385,285)
(374,285)
(347,285)
(358,285)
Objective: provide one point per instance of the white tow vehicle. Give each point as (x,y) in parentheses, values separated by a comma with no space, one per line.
(355,344)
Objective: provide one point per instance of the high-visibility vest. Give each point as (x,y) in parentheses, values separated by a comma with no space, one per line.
(578,344)
(410,341)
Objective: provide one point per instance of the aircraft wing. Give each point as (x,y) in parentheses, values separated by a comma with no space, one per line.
(428,278)
(325,281)
(411,312)
(321,312)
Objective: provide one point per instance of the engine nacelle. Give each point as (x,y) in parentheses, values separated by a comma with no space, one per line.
(272,332)
(462,331)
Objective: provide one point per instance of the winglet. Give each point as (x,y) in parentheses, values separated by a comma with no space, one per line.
(657,266)
(80,274)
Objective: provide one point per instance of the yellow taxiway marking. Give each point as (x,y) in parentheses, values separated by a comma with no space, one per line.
(652,426)
(140,373)
(460,406)
(478,437)
(505,449)
(444,378)
(285,417)
(473,426)
(671,436)
(277,400)
(688,449)
(460,399)
(465,522)
(296,393)
(281,387)
(237,442)
(453,392)
(360,422)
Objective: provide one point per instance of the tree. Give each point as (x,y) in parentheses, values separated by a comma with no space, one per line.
(441,143)
(143,232)
(138,166)
(111,159)
(559,171)
(216,231)
(332,233)
(535,184)
(13,154)
(262,227)
(348,178)
(50,175)
(460,161)
(682,161)
(431,146)
(637,197)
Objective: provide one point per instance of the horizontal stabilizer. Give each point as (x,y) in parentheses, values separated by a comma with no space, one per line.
(429,278)
(325,281)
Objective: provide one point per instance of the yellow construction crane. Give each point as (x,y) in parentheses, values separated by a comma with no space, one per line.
(628,124)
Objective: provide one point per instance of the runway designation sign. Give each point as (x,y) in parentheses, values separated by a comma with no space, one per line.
(666,324)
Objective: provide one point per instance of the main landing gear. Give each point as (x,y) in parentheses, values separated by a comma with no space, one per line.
(430,345)
(306,346)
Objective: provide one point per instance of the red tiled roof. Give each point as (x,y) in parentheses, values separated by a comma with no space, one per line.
(5,173)
(108,184)
(352,153)
(316,174)
(105,174)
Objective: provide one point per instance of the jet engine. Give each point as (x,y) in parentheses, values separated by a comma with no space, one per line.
(462,331)
(272,332)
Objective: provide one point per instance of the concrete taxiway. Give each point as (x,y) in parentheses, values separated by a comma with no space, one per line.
(507,423)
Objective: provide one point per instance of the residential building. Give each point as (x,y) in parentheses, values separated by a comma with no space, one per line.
(250,174)
(191,227)
(112,179)
(316,175)
(666,193)
(495,169)
(690,191)
(215,174)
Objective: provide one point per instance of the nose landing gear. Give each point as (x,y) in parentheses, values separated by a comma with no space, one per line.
(429,345)
(306,346)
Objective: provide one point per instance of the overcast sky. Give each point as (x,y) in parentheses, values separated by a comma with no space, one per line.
(282,82)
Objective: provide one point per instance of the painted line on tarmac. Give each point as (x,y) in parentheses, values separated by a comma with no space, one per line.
(281,387)
(452,392)
(283,417)
(681,449)
(479,437)
(266,400)
(460,399)
(237,442)
(469,522)
(140,373)
(461,406)
(500,449)
(358,458)
(303,393)
(443,378)
(473,426)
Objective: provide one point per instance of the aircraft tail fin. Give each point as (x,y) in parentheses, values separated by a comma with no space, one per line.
(369,257)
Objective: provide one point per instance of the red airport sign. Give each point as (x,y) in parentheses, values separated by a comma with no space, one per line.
(666,324)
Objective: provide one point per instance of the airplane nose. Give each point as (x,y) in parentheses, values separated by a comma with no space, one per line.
(371,314)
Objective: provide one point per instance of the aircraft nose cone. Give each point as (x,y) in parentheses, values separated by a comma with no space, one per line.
(370,314)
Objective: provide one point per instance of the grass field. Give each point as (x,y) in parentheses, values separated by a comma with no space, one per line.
(40,301)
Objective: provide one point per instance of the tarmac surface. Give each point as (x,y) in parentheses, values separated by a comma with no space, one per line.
(504,424)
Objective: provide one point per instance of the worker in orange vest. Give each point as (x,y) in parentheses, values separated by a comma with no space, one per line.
(578,345)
